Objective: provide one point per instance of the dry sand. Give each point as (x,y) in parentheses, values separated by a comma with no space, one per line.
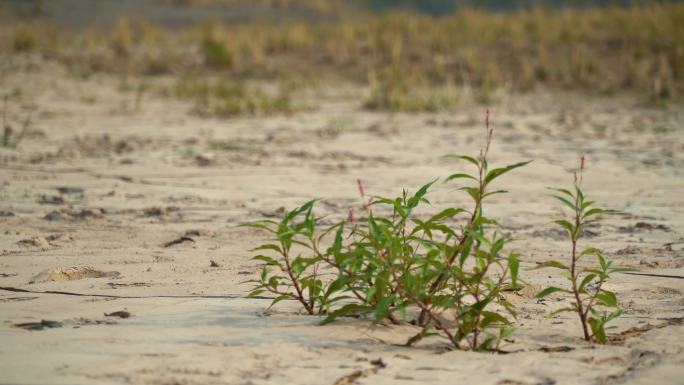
(138,179)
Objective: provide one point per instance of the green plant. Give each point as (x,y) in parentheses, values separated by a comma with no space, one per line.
(396,261)
(595,306)
(297,276)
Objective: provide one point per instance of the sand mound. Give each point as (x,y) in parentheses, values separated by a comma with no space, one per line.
(71,274)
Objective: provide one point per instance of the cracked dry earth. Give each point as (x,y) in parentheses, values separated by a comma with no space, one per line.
(137,208)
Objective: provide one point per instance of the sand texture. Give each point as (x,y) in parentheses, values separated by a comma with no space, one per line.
(129,205)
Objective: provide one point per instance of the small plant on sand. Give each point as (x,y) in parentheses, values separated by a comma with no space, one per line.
(449,269)
(297,276)
(594,305)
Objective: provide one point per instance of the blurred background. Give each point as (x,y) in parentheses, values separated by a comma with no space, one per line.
(232,57)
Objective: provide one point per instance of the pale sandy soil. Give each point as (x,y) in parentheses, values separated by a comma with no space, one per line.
(148,176)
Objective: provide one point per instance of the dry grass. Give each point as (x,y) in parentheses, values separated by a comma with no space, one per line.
(609,49)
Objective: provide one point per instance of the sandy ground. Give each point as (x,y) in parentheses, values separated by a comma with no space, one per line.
(139,178)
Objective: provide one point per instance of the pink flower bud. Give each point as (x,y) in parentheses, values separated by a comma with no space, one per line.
(487,120)
(362,190)
(351,217)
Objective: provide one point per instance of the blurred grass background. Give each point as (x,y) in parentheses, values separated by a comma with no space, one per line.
(411,55)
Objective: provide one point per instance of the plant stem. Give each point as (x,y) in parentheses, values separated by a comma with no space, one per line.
(424,308)
(295,282)
(573,269)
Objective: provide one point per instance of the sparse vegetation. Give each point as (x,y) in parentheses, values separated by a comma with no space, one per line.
(405,59)
(229,98)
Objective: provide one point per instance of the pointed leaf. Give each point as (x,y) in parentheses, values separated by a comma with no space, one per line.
(497,172)
(464,157)
(267,259)
(345,310)
(374,229)
(554,264)
(566,225)
(459,176)
(586,281)
(550,290)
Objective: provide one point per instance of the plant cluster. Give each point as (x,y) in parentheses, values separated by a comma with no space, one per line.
(451,265)
(445,273)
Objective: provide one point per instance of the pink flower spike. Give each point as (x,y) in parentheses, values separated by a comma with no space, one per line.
(362,190)
(351,217)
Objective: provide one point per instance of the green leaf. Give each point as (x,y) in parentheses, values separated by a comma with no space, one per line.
(514,266)
(489,317)
(472,191)
(268,246)
(550,290)
(586,281)
(337,244)
(273,282)
(562,310)
(304,208)
(381,308)
(580,194)
(464,157)
(566,225)
(563,191)
(595,211)
(465,251)
(597,328)
(448,213)
(497,172)
(267,259)
(613,315)
(345,310)
(607,298)
(505,332)
(494,193)
(422,334)
(262,225)
(374,229)
(255,292)
(278,299)
(336,286)
(459,176)
(602,261)
(565,201)
(418,196)
(590,250)
(554,264)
